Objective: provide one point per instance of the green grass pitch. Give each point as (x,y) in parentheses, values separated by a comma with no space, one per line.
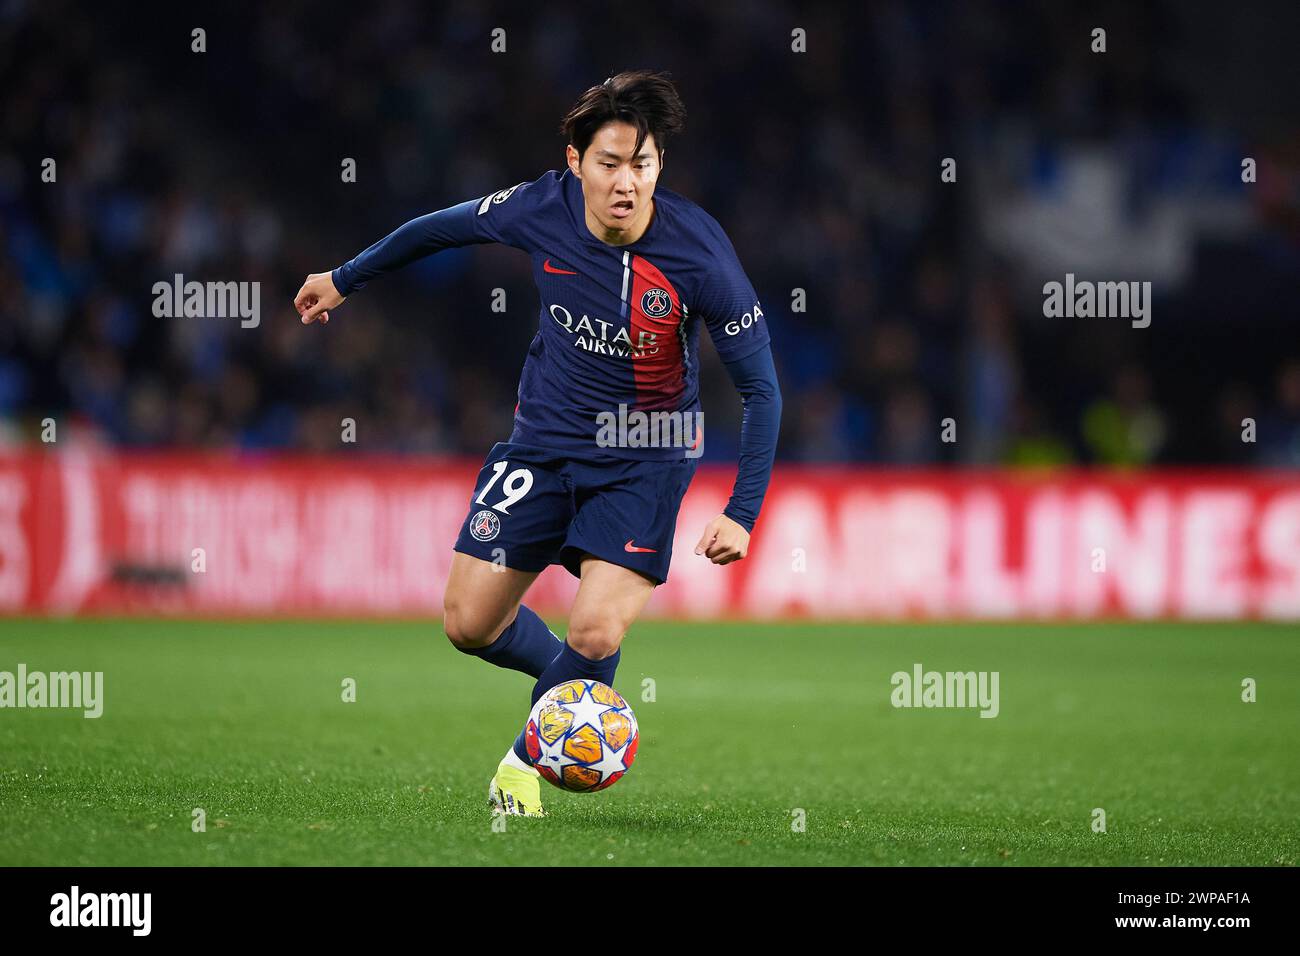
(751,723)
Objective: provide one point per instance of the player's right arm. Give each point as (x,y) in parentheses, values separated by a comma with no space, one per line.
(460,225)
(316,297)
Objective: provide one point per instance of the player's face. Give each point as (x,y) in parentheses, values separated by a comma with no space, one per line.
(617,186)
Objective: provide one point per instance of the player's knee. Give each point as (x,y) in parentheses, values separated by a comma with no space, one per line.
(464,628)
(596,638)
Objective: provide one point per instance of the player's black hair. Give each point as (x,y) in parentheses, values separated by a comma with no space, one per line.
(643,98)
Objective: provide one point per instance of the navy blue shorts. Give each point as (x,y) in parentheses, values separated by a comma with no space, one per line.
(532,508)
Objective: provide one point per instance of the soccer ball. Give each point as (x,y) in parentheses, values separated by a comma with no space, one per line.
(581,736)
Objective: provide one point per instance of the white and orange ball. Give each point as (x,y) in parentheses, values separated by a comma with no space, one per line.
(581,736)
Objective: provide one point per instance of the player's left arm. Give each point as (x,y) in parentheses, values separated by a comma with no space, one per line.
(734,317)
(726,537)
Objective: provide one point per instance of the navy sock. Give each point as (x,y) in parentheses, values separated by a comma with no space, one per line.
(567,665)
(527,645)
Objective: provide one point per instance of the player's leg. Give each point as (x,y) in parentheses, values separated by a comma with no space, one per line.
(610,598)
(518,516)
(483,616)
(620,546)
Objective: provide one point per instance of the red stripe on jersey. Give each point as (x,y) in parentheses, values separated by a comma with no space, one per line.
(659,370)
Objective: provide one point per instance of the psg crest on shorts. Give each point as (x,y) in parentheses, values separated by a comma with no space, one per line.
(485,526)
(656,303)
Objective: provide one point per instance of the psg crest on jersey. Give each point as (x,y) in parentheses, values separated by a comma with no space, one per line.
(656,303)
(485,526)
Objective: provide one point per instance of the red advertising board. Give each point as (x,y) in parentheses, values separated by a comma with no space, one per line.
(99,532)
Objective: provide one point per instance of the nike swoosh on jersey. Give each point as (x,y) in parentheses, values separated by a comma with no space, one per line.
(547,267)
(633,549)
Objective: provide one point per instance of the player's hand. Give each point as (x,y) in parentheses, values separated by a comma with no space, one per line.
(316,297)
(723,541)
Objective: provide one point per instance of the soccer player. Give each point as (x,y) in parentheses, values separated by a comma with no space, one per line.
(626,271)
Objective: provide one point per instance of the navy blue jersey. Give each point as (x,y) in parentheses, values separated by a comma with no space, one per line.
(618,325)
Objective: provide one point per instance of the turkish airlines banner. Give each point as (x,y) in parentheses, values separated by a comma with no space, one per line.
(111,533)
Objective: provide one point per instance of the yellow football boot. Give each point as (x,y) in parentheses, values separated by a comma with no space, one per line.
(516,792)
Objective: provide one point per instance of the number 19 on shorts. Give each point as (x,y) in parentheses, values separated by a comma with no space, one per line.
(516,485)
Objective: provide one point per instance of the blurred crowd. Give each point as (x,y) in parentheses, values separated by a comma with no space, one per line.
(922,298)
